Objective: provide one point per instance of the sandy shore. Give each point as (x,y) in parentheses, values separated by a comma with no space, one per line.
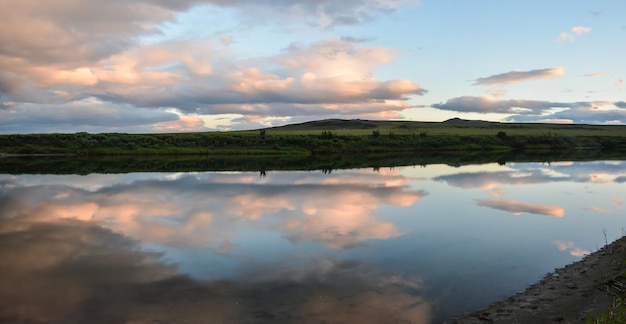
(571,294)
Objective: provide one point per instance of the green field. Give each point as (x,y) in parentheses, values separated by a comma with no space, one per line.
(453,127)
(332,136)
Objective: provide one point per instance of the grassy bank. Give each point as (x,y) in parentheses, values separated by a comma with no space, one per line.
(330,137)
(267,163)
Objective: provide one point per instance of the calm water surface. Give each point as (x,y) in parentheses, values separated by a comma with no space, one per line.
(406,245)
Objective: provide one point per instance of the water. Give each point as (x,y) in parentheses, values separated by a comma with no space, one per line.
(407,244)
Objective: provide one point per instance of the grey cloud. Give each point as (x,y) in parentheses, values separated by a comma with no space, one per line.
(91,29)
(72,33)
(328,13)
(228,87)
(492,105)
(67,51)
(351,39)
(577,115)
(519,76)
(99,117)
(620,104)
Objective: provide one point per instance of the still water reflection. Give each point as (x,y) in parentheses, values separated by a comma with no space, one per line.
(408,244)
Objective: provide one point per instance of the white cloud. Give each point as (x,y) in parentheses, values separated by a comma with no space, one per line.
(574,33)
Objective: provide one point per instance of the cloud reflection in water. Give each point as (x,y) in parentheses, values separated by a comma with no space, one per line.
(181,211)
(518,208)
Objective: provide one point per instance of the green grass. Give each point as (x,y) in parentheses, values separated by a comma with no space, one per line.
(616,312)
(450,128)
(330,137)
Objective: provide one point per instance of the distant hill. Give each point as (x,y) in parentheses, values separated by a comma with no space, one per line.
(459,120)
(343,124)
(336,124)
(450,127)
(333,124)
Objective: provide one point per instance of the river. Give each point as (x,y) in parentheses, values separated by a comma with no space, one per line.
(407,244)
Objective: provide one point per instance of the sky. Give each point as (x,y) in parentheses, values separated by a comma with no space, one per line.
(147,66)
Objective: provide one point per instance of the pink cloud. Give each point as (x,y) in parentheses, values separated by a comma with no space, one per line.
(517,76)
(183,124)
(598,209)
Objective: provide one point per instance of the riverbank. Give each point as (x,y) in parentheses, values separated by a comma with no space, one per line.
(578,293)
(27,164)
(331,137)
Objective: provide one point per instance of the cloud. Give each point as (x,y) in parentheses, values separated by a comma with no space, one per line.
(329,72)
(89,115)
(621,179)
(518,208)
(117,53)
(583,114)
(351,39)
(574,33)
(592,112)
(183,124)
(486,104)
(619,82)
(324,78)
(517,76)
(324,13)
(496,92)
(595,75)
(70,33)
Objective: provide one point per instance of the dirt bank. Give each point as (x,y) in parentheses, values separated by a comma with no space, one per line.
(571,294)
